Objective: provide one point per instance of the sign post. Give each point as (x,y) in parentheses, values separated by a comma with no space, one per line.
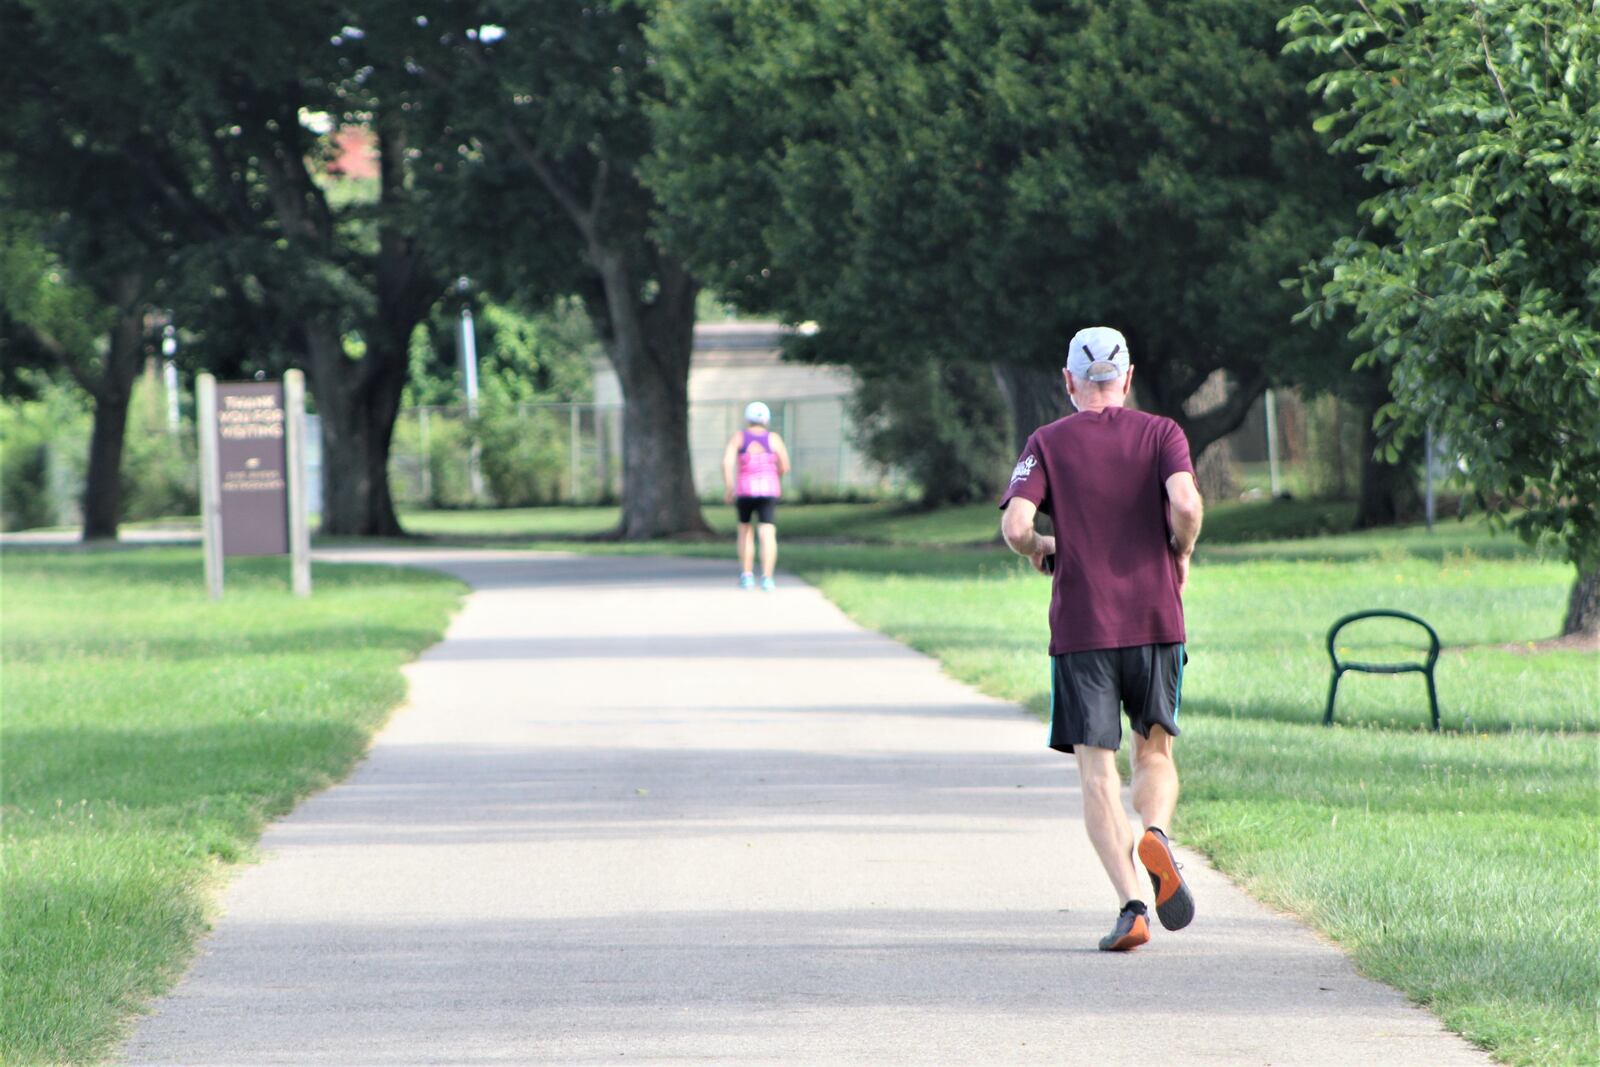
(294,401)
(210,483)
(252,449)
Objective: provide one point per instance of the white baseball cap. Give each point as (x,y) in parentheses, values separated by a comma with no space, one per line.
(756,411)
(1097,354)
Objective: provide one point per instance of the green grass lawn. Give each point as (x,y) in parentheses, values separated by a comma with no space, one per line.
(860,523)
(148,735)
(1459,867)
(883,523)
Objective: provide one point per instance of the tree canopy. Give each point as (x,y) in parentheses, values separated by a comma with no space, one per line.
(215,120)
(539,132)
(966,180)
(1476,281)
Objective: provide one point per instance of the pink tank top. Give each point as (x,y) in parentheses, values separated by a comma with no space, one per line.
(758,467)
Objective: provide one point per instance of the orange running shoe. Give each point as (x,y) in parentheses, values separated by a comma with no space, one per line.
(1174,905)
(1131,931)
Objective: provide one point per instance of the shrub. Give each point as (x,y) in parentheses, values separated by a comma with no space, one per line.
(25,499)
(524,455)
(160,468)
(431,469)
(43,443)
(942,423)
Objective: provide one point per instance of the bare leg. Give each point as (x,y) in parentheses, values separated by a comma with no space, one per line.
(769,549)
(1105,820)
(1155,778)
(747,548)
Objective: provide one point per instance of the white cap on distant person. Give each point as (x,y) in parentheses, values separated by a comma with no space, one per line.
(756,411)
(1097,354)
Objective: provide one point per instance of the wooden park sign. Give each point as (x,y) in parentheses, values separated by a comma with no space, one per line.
(252,474)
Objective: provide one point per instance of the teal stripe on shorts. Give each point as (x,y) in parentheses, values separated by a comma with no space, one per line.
(1183,657)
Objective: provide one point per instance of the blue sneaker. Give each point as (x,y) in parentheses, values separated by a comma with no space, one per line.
(768,585)
(747,580)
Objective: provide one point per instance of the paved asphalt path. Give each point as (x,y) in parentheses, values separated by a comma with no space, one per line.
(631,814)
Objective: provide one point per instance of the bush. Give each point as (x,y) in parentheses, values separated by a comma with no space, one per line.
(524,455)
(25,498)
(942,423)
(432,470)
(160,468)
(42,447)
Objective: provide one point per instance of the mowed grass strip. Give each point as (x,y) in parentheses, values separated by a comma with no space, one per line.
(148,735)
(885,522)
(1458,867)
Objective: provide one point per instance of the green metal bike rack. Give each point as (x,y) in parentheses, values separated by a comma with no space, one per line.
(1425,668)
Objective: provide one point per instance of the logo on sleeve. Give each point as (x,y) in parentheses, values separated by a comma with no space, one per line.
(1023,469)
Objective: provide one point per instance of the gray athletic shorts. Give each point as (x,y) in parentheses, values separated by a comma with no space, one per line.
(1089,690)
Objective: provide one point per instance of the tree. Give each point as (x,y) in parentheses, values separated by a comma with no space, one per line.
(96,334)
(215,118)
(82,254)
(974,181)
(543,123)
(348,271)
(1477,284)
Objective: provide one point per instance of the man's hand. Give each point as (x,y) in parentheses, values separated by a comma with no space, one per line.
(1183,570)
(1044,547)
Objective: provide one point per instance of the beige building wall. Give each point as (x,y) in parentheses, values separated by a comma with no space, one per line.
(737,362)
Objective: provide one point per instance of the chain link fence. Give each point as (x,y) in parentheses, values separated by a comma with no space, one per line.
(536,454)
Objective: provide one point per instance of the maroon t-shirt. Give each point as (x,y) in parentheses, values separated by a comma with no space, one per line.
(1101,476)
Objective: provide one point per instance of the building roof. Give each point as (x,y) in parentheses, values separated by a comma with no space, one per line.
(723,343)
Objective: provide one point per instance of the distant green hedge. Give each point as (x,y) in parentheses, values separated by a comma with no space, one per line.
(44,447)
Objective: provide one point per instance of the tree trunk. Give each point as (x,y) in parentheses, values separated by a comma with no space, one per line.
(359,401)
(102,490)
(1215,470)
(1206,408)
(1583,606)
(1035,397)
(1388,492)
(650,346)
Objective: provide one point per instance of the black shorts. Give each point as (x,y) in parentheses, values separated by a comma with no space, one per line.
(763,506)
(1088,691)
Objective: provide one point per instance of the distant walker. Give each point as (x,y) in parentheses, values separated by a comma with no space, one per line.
(753,466)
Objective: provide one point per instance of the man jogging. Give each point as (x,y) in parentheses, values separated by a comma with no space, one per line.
(1119,487)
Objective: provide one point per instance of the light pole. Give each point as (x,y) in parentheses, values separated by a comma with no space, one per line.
(469,377)
(469,349)
(169,373)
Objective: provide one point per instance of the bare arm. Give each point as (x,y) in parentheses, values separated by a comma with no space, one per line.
(780,450)
(1185,510)
(1016,526)
(730,458)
